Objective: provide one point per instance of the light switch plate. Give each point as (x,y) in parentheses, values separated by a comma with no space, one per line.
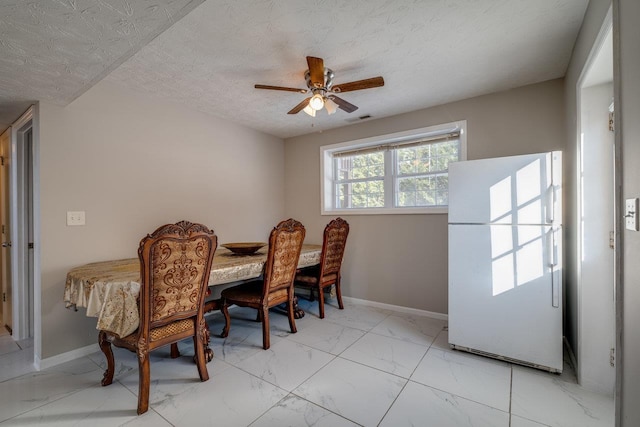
(631,214)
(75,218)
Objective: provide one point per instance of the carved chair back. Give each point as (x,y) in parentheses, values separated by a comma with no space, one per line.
(175,261)
(333,244)
(285,245)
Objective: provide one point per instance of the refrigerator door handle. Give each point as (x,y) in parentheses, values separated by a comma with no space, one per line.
(551,207)
(555,281)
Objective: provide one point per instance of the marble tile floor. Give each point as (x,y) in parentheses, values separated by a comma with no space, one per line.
(16,357)
(362,366)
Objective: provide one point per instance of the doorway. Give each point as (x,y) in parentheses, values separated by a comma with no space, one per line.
(17,228)
(596,344)
(5,238)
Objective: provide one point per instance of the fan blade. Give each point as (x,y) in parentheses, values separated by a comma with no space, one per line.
(299,107)
(343,105)
(360,84)
(289,89)
(316,71)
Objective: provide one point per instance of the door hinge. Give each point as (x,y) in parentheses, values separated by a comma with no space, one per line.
(1,160)
(612,357)
(612,240)
(30,245)
(4,297)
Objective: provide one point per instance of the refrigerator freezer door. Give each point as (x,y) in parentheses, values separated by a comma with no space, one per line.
(506,190)
(503,292)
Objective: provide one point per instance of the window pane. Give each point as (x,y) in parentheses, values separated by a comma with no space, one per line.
(406,199)
(363,194)
(407,184)
(406,167)
(360,166)
(422,178)
(411,191)
(343,196)
(426,158)
(443,197)
(442,182)
(425,198)
(375,201)
(366,175)
(423,166)
(376,170)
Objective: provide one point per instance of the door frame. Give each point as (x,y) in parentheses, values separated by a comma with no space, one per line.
(19,231)
(606,27)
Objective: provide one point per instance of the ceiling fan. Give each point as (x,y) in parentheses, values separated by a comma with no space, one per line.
(320,84)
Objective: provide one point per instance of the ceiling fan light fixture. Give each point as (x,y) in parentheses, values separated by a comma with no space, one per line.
(310,111)
(322,91)
(330,106)
(316,102)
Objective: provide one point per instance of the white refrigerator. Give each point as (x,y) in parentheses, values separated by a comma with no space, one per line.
(505,264)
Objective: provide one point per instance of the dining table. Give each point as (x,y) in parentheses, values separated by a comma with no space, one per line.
(109,290)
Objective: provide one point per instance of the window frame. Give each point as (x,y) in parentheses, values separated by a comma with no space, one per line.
(327,188)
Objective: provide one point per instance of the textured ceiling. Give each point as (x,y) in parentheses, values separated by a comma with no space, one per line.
(429,52)
(54,50)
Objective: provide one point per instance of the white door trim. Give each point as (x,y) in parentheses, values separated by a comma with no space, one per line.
(605,29)
(19,238)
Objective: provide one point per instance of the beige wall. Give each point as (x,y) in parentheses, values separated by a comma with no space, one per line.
(402,259)
(134,164)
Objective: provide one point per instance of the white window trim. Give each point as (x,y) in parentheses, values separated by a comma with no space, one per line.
(326,167)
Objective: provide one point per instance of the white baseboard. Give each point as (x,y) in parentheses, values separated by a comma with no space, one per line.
(398,308)
(41,364)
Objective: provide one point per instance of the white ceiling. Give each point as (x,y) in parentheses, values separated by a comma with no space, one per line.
(429,52)
(55,50)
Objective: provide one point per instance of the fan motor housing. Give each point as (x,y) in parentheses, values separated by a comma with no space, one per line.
(328,79)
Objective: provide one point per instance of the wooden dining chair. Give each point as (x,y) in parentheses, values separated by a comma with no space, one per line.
(327,273)
(175,261)
(276,285)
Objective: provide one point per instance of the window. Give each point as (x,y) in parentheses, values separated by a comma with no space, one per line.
(405,172)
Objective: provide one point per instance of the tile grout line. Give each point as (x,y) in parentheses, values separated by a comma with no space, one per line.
(393,403)
(510,392)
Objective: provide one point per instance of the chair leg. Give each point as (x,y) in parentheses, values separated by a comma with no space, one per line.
(175,353)
(321,301)
(266,343)
(311,297)
(144,380)
(227,319)
(339,293)
(291,315)
(105,346)
(201,357)
(208,353)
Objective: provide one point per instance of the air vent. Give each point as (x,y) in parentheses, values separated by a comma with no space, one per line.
(357,119)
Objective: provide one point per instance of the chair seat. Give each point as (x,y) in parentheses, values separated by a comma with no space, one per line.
(313,280)
(157,334)
(174,328)
(251,293)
